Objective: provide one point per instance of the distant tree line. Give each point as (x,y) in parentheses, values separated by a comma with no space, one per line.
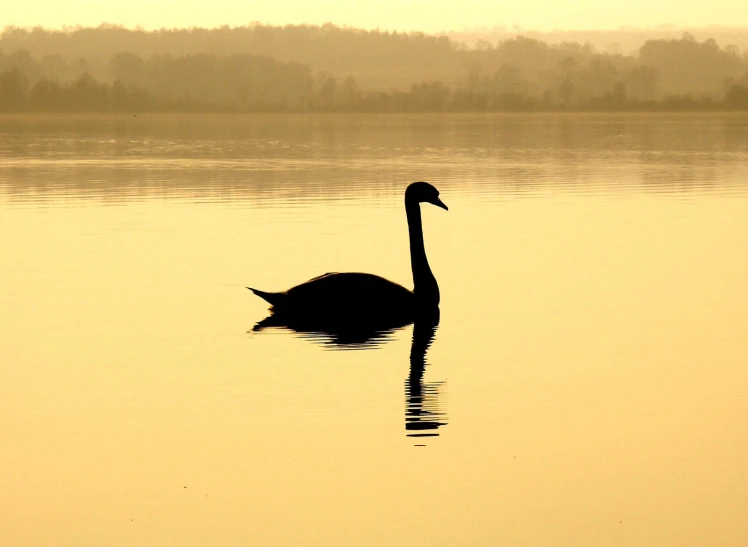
(286,69)
(620,40)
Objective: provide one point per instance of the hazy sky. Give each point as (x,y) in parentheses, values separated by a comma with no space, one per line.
(426,15)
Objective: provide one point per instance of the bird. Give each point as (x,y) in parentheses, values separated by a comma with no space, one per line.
(358,306)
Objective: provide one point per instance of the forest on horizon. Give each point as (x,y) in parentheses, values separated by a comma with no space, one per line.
(326,68)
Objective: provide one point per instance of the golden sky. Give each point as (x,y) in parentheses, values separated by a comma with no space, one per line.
(426,15)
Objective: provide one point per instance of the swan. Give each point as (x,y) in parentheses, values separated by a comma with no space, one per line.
(338,300)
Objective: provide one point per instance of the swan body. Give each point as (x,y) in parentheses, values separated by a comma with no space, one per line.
(334,300)
(340,291)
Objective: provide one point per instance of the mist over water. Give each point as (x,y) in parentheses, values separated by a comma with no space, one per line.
(584,383)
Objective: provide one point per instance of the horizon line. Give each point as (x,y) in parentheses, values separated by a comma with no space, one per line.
(506,28)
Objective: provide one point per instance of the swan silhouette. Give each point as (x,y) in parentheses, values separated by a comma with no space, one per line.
(355,307)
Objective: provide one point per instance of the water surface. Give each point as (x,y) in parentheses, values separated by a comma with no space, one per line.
(586,384)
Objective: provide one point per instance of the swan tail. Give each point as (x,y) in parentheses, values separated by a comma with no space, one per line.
(272,298)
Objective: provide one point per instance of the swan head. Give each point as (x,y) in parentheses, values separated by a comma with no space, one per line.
(423,192)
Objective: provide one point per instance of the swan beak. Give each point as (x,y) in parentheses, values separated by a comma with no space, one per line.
(440,203)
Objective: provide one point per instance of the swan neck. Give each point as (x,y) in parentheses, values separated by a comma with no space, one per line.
(424,283)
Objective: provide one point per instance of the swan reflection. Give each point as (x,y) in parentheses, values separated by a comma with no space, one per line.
(355,332)
(423,413)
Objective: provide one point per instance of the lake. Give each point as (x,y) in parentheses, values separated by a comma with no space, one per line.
(586,383)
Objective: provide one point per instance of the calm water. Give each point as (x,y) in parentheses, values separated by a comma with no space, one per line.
(587,383)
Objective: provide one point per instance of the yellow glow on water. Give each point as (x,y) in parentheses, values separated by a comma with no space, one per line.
(590,365)
(570,374)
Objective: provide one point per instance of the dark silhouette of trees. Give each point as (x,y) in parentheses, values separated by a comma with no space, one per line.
(687,66)
(127,67)
(243,80)
(641,81)
(13,89)
(737,93)
(328,68)
(429,97)
(737,98)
